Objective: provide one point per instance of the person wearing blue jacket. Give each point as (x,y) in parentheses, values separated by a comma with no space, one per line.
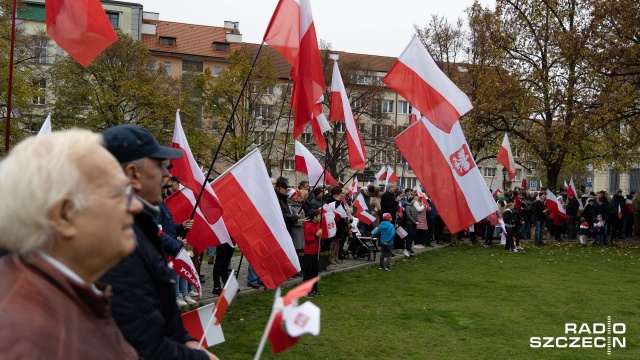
(387,232)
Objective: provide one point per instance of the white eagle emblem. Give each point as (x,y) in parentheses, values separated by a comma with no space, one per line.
(462,161)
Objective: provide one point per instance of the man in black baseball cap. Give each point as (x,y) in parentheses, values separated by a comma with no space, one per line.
(144,303)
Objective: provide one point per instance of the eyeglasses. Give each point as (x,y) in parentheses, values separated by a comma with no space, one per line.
(126,191)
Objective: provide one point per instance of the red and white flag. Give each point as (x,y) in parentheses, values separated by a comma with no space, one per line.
(46,126)
(541,186)
(619,212)
(382,174)
(290,320)
(354,188)
(81,28)
(415,115)
(571,191)
(554,205)
(505,157)
(184,267)
(292,33)
(417,78)
(524,183)
(306,163)
(254,220)
(494,192)
(340,110)
(566,187)
(391,175)
(330,215)
(204,323)
(362,210)
(444,165)
(208,228)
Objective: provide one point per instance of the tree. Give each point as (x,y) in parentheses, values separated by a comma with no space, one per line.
(119,87)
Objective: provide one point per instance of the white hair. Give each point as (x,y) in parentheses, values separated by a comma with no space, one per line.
(37,174)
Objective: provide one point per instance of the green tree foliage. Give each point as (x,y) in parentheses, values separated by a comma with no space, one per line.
(119,87)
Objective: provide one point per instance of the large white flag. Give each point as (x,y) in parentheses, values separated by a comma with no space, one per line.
(307,163)
(505,157)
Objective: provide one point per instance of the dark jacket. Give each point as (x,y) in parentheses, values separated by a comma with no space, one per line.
(572,206)
(410,213)
(289,218)
(170,232)
(144,301)
(389,204)
(600,210)
(537,210)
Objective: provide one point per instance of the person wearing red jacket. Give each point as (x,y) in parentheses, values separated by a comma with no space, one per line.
(312,234)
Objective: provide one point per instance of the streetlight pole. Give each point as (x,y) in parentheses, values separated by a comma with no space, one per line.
(504,179)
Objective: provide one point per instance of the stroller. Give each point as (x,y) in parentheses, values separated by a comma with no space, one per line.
(361,247)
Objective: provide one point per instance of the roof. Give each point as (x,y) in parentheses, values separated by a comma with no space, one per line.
(191,39)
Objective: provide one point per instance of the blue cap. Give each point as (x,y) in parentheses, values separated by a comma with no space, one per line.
(129,142)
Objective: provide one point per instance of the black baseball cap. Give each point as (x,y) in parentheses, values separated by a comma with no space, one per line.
(129,142)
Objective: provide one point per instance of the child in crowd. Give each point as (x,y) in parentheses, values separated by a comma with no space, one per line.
(387,233)
(584,231)
(312,234)
(599,229)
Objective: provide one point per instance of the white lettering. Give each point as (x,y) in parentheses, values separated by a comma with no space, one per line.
(587,342)
(575,342)
(619,328)
(599,328)
(534,342)
(584,328)
(562,344)
(622,343)
(548,343)
(570,328)
(597,344)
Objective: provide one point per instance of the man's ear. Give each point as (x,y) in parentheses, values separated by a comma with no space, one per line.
(62,216)
(131,170)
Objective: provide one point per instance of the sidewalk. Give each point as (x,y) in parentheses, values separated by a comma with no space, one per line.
(346,265)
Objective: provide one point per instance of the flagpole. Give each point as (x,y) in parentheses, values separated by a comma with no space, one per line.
(7,132)
(286,140)
(267,329)
(226,130)
(275,131)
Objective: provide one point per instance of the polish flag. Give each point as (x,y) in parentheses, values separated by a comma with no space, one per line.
(254,220)
(81,28)
(524,183)
(417,78)
(415,115)
(362,210)
(382,174)
(541,186)
(208,228)
(329,218)
(391,175)
(566,187)
(505,157)
(204,323)
(354,188)
(619,212)
(292,33)
(306,163)
(184,267)
(554,205)
(571,191)
(338,210)
(340,110)
(494,192)
(291,320)
(444,165)
(422,195)
(46,126)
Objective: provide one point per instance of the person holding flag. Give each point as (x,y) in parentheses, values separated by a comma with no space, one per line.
(312,235)
(144,303)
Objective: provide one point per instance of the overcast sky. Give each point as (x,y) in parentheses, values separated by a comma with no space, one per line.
(376,27)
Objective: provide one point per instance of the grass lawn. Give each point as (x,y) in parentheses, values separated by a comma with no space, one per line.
(464,302)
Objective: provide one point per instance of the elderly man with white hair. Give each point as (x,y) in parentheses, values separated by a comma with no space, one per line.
(66,219)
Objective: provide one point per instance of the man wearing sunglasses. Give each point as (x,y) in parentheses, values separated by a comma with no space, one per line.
(144,303)
(66,220)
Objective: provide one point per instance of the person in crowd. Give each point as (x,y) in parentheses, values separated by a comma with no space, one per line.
(144,305)
(584,231)
(303,185)
(601,208)
(312,235)
(337,196)
(295,199)
(636,215)
(421,225)
(59,241)
(599,229)
(628,219)
(389,201)
(490,223)
(220,271)
(169,237)
(432,221)
(411,221)
(387,232)
(316,201)
(617,213)
(527,201)
(539,212)
(587,213)
(375,205)
(573,206)
(511,220)
(558,223)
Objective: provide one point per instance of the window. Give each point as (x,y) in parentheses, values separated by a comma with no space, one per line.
(192,65)
(40,50)
(167,41)
(381,158)
(41,95)
(290,165)
(264,112)
(403,107)
(262,138)
(387,106)
(342,177)
(153,65)
(376,109)
(216,70)
(614,181)
(167,67)
(114,19)
(518,175)
(271,89)
(380,133)
(221,46)
(410,182)
(308,138)
(489,172)
(340,127)
(361,129)
(357,104)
